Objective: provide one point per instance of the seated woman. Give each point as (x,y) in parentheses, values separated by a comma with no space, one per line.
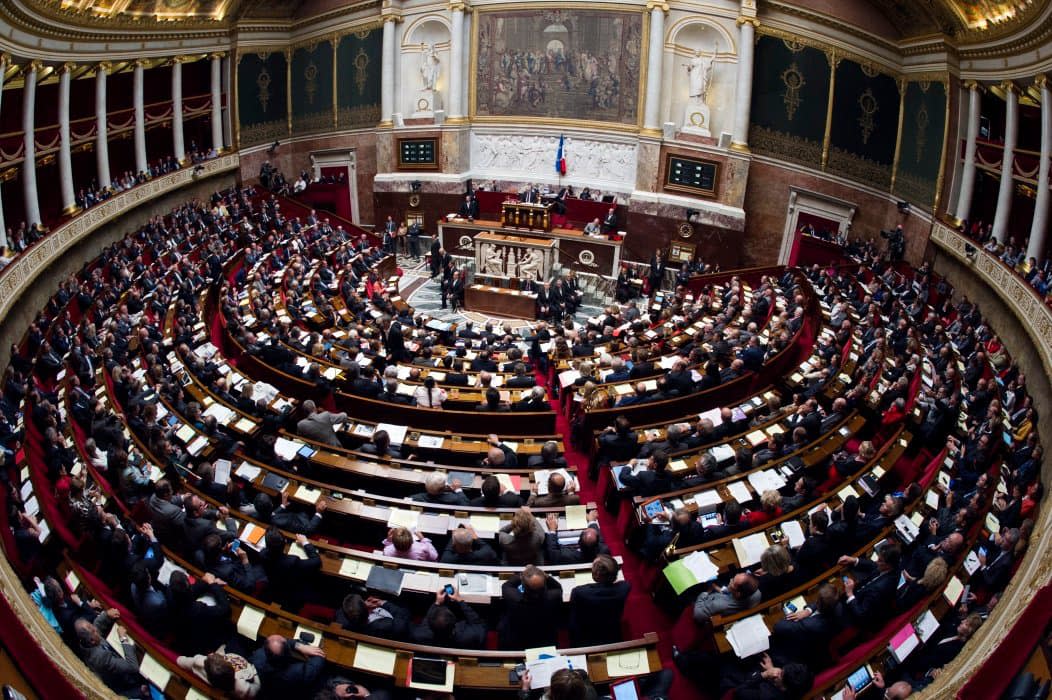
(778,573)
(770,508)
(229,673)
(521,540)
(404,544)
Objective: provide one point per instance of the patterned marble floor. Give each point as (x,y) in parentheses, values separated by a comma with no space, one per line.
(424,294)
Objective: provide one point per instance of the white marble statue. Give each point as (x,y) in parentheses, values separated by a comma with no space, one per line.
(699,70)
(492,262)
(530,264)
(429,66)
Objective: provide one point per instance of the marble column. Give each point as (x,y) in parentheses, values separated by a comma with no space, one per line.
(743,92)
(217,102)
(1039,228)
(65,160)
(29,164)
(178,143)
(455,104)
(964,197)
(228,126)
(387,68)
(1007,187)
(141,164)
(102,135)
(655,52)
(3,226)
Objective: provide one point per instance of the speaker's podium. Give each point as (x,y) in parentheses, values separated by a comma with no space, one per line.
(533,217)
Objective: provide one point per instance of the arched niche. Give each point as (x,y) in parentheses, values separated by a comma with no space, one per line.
(684,39)
(418,35)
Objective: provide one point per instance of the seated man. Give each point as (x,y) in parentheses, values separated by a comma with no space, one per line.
(117,669)
(496,495)
(560,493)
(437,490)
(593,228)
(589,543)
(450,622)
(742,593)
(373,616)
(285,674)
(596,608)
(465,547)
(870,589)
(532,610)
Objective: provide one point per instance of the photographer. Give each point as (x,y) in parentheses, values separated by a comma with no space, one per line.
(896,243)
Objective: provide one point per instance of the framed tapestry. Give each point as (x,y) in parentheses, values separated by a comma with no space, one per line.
(558,64)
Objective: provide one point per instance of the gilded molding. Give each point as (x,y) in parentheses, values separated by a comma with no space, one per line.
(657,5)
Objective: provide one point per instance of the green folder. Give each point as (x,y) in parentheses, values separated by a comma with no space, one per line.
(680,577)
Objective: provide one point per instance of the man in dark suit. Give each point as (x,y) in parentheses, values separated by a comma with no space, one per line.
(589,544)
(804,635)
(870,590)
(465,547)
(360,615)
(610,222)
(816,553)
(450,622)
(532,610)
(288,576)
(618,442)
(535,401)
(995,566)
(656,479)
(521,380)
(596,608)
(469,209)
(484,362)
(396,343)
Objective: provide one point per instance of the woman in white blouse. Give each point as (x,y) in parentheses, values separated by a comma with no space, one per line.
(429,395)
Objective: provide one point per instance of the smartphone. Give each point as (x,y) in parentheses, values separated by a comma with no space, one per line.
(789,608)
(448,589)
(235,545)
(845,579)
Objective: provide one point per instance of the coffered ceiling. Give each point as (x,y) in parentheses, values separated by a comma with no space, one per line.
(191,11)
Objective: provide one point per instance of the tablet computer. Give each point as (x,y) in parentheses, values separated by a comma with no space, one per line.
(625,690)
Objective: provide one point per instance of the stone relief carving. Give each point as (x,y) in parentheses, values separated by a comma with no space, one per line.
(528,157)
(510,261)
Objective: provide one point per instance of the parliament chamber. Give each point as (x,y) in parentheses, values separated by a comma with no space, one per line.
(543,349)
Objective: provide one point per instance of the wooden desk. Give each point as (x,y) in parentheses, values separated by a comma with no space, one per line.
(577,251)
(500,302)
(535,217)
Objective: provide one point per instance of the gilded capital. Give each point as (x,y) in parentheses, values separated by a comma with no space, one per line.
(655,5)
(1041,81)
(972,85)
(754,21)
(67,67)
(104,66)
(217,54)
(458,6)
(1010,86)
(33,67)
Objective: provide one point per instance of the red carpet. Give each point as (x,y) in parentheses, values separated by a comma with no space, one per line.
(641,615)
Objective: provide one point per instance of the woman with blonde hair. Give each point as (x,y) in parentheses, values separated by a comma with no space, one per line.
(777,572)
(521,540)
(935,574)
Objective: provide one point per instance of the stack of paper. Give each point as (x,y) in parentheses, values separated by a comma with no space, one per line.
(749,636)
(748,549)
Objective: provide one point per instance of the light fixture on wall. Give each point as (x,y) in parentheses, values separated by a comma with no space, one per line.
(904,207)
(273,148)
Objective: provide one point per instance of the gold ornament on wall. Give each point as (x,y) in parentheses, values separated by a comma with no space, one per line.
(922,130)
(869,106)
(793,80)
(361,74)
(310,75)
(263,83)
(794,46)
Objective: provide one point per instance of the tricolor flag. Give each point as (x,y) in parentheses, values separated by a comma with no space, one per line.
(560,161)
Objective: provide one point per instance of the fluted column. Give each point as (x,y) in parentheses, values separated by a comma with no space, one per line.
(964,197)
(1005,192)
(217,102)
(102,133)
(178,143)
(65,160)
(655,51)
(228,129)
(1039,228)
(29,164)
(387,76)
(743,92)
(455,108)
(141,165)
(3,226)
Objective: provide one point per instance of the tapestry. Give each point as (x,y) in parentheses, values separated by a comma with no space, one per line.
(923,131)
(865,124)
(358,58)
(559,64)
(312,99)
(790,97)
(262,97)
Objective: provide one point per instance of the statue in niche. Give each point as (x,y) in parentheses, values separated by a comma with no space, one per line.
(699,73)
(429,66)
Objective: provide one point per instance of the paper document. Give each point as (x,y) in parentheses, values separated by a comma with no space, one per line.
(431,442)
(249,621)
(114,639)
(699,564)
(222,472)
(308,494)
(152,670)
(627,663)
(576,517)
(374,659)
(954,589)
(926,625)
(748,549)
(485,523)
(403,518)
(739,491)
(248,472)
(749,636)
(397,433)
(355,568)
(793,532)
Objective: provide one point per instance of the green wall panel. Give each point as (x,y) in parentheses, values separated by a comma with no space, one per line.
(312,99)
(262,97)
(923,131)
(358,79)
(865,125)
(789,101)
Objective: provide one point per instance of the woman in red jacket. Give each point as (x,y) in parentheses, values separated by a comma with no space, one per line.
(770,508)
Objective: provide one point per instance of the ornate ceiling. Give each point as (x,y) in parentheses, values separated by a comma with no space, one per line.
(184,11)
(963,20)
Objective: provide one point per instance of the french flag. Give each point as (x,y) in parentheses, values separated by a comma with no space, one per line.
(560,160)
